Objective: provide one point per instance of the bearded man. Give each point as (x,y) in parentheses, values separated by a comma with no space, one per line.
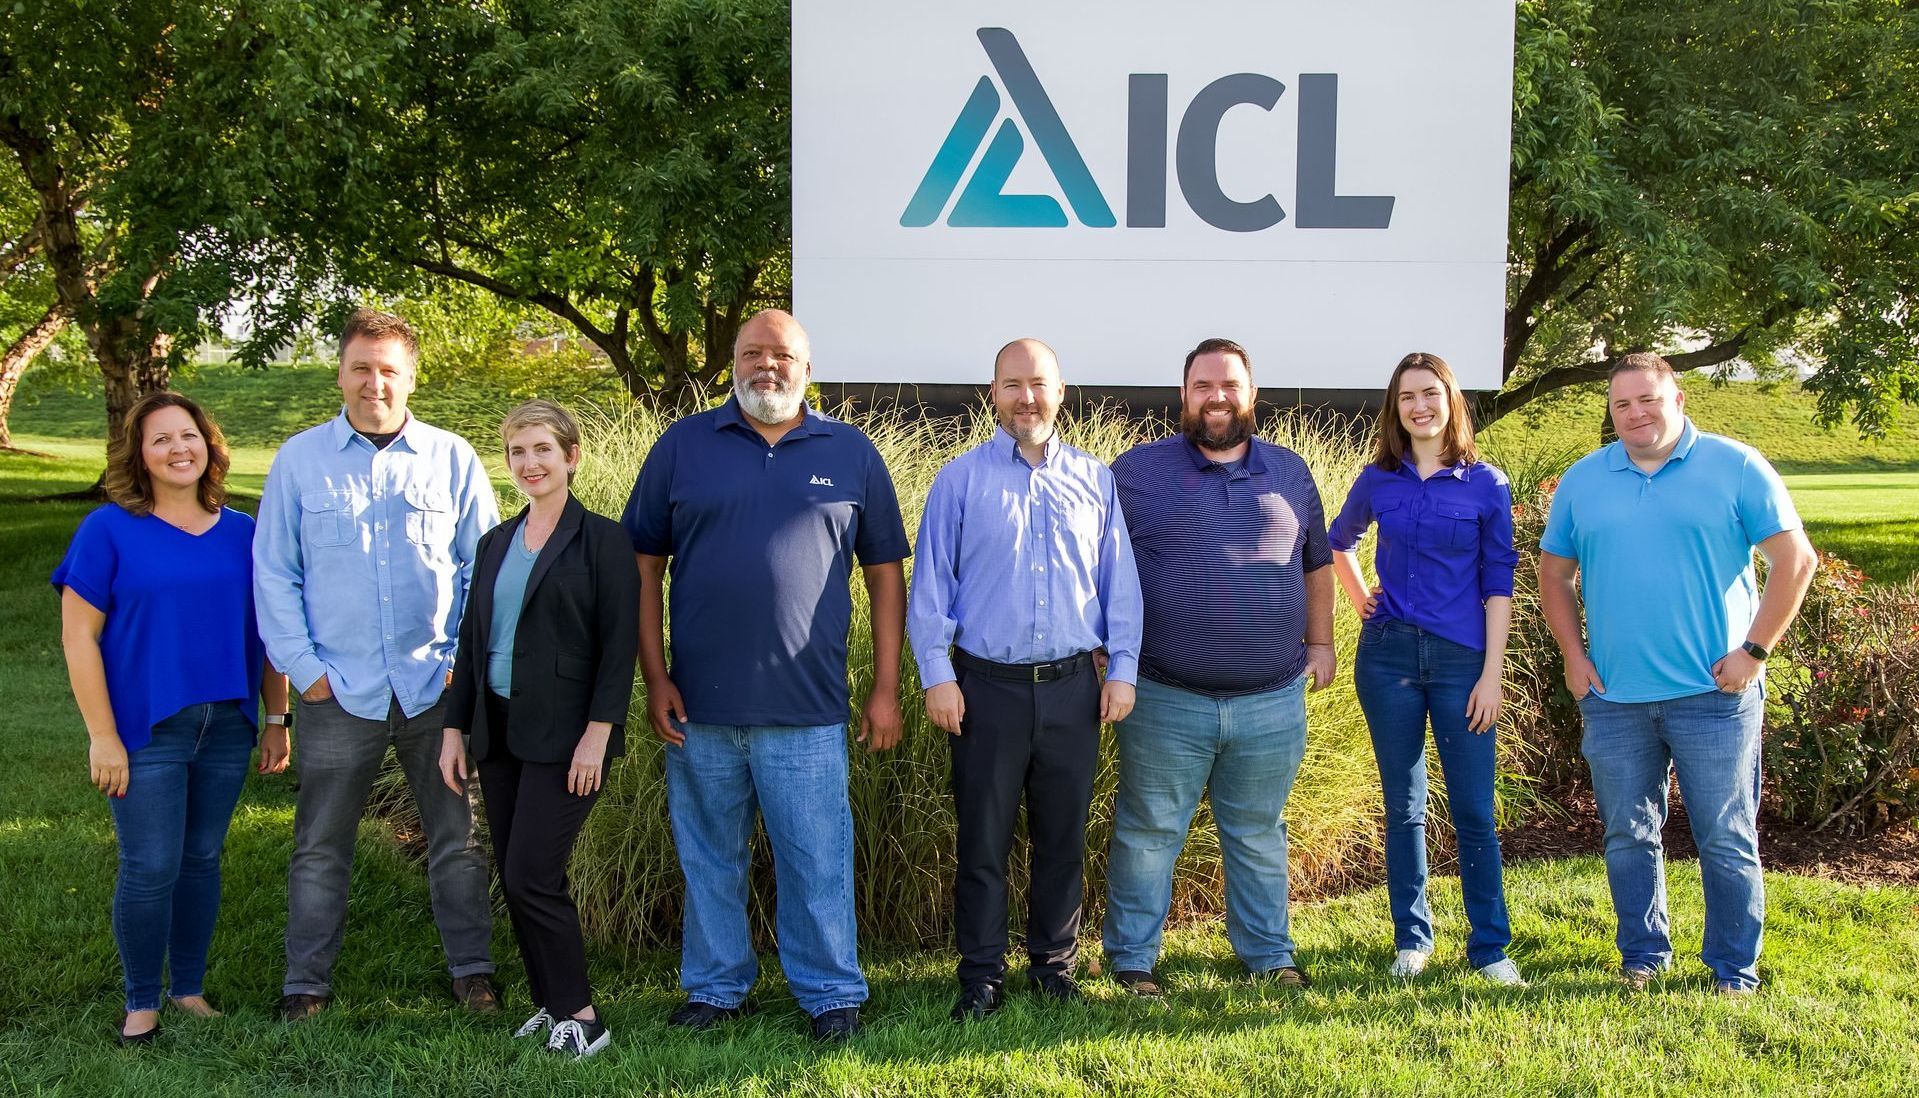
(1025,578)
(760,507)
(1230,541)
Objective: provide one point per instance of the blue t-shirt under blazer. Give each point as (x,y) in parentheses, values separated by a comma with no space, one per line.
(1665,558)
(762,541)
(1445,544)
(180,629)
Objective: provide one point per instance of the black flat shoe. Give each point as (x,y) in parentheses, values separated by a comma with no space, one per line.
(977,1001)
(132,1040)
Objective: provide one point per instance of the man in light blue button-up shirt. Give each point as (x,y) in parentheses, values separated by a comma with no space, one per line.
(1024,581)
(366,541)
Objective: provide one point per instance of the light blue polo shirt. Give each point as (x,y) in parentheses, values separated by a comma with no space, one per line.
(1665,560)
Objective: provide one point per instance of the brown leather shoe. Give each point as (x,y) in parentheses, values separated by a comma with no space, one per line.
(476,993)
(298,1008)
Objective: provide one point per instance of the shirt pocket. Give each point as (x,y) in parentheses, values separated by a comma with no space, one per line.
(1392,516)
(429,516)
(1458,526)
(326,518)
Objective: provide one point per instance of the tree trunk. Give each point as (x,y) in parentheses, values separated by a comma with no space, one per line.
(18,357)
(133,362)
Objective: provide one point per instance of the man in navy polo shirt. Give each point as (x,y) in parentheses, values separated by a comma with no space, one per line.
(1230,540)
(1659,528)
(762,505)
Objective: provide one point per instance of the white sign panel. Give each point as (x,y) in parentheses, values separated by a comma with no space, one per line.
(1324,182)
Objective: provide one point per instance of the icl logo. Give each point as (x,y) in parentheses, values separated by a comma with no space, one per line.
(984,203)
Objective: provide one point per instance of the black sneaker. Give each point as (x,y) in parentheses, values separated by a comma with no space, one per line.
(837,1025)
(298,1008)
(976,1001)
(1057,986)
(1142,984)
(698,1016)
(577,1038)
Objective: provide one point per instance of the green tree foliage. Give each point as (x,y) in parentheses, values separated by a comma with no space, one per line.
(620,164)
(1724,179)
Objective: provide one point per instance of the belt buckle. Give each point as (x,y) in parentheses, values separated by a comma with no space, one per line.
(1039,672)
(1046,672)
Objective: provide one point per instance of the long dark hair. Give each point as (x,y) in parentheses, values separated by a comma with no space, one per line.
(1391,443)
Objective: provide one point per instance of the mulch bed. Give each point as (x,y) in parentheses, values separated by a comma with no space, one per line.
(1889,855)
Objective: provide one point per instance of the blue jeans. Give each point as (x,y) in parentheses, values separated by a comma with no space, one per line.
(1712,741)
(1243,752)
(172,823)
(1405,676)
(796,777)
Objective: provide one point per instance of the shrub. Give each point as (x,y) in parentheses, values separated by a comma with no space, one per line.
(1842,740)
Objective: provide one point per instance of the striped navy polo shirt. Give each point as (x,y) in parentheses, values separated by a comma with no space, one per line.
(1223,556)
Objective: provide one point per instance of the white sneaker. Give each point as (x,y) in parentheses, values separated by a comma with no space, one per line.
(579,1039)
(535,1025)
(1504,973)
(1408,963)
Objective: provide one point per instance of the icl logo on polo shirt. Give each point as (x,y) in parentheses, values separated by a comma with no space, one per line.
(817,479)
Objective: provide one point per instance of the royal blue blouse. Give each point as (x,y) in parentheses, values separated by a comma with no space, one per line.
(180,629)
(1445,544)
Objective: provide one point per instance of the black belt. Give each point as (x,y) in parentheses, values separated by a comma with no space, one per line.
(1023,672)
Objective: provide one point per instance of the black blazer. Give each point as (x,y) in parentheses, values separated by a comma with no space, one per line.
(573,650)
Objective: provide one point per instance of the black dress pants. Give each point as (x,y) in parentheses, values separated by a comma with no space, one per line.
(1040,739)
(535,822)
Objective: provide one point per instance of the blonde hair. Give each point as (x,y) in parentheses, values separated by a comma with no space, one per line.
(544,413)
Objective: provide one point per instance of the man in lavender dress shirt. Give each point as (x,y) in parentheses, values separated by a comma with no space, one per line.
(1024,583)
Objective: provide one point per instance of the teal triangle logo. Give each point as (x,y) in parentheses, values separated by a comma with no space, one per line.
(983,201)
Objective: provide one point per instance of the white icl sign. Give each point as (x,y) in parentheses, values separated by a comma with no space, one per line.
(1324,182)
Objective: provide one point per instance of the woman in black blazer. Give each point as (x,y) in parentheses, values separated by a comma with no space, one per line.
(539,702)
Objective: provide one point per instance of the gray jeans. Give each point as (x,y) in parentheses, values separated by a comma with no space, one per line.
(339,755)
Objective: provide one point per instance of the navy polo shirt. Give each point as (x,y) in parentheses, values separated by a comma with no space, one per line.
(1222,554)
(761,541)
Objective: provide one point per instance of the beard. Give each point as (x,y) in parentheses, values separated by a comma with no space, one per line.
(1237,430)
(773,406)
(1030,435)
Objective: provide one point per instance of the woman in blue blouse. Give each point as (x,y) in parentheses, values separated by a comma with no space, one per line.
(156,611)
(1433,647)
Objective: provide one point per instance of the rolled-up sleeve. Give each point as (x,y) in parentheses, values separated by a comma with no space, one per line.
(1355,515)
(1497,555)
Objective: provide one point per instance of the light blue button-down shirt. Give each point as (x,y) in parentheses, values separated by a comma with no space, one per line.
(362,558)
(1023,564)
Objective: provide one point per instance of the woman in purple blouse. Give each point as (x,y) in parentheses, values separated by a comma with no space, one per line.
(156,612)
(1433,647)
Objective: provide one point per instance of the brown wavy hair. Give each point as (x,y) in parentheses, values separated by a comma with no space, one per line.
(127,481)
(1456,445)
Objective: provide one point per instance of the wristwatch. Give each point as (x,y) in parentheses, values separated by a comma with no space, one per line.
(1755,651)
(280,720)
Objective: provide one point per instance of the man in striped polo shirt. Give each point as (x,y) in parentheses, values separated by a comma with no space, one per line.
(1230,541)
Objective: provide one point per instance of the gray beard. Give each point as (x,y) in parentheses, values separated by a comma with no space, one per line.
(771,408)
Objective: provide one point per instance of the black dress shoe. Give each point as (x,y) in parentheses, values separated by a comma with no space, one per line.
(1142,984)
(977,1001)
(298,1008)
(697,1016)
(1057,986)
(842,1024)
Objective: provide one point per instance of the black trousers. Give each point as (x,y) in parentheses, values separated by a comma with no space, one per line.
(1040,739)
(535,822)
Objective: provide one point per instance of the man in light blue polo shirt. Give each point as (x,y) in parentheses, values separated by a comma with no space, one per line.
(365,546)
(1659,529)
(761,507)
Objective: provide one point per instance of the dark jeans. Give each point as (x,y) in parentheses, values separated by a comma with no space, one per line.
(1405,676)
(172,823)
(1042,740)
(534,822)
(339,755)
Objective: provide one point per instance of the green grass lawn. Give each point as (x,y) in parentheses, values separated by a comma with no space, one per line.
(1835,1019)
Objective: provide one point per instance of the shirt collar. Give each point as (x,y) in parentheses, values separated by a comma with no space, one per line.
(1006,446)
(1618,460)
(731,414)
(1255,461)
(1458,470)
(344,432)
